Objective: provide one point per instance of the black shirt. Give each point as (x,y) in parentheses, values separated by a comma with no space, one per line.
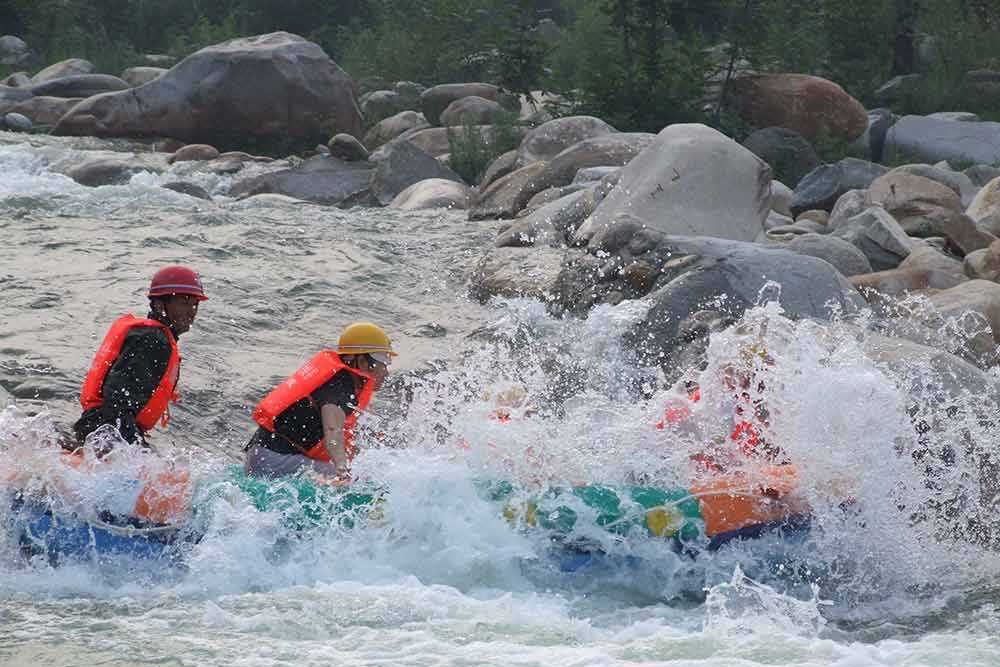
(301,422)
(129,384)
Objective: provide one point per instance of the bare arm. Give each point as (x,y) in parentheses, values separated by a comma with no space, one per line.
(333,435)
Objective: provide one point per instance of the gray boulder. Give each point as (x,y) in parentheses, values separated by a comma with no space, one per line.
(956,116)
(699,279)
(321,179)
(432,193)
(15,122)
(551,223)
(981,174)
(943,271)
(549,139)
(109,170)
(137,76)
(80,85)
(401,165)
(13,51)
(923,139)
(472,110)
(500,167)
(17,80)
(10,96)
(63,68)
(692,180)
(788,153)
(381,104)
(823,186)
(877,234)
(347,148)
(843,255)
(389,128)
(507,195)
(435,100)
(277,85)
(45,110)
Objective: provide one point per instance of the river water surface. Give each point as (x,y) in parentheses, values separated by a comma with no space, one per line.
(443,580)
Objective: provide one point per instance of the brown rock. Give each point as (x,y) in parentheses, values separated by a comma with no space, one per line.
(816,215)
(810,105)
(194,152)
(45,110)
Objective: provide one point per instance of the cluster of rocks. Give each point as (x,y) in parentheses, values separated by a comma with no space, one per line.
(692,222)
(688,219)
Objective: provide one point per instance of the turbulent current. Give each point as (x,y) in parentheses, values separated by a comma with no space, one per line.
(900,567)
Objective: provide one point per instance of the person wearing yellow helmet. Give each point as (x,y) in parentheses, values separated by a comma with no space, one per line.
(307,422)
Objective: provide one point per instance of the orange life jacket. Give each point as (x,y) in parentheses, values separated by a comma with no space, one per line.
(156,408)
(303,382)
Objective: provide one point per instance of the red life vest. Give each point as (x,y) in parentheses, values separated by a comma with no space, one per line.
(156,408)
(745,433)
(303,382)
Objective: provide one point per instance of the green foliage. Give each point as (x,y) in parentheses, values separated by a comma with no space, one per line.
(471,152)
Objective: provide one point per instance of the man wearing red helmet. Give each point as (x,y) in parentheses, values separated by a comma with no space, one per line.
(135,372)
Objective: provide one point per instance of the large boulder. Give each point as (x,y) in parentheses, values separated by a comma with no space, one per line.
(811,106)
(503,165)
(877,234)
(843,255)
(788,153)
(944,271)
(17,80)
(79,85)
(137,76)
(321,179)
(16,122)
(277,85)
(45,110)
(432,193)
(691,180)
(549,139)
(111,170)
(987,202)
(904,194)
(389,128)
(610,150)
(960,183)
(13,51)
(381,104)
(347,148)
(923,139)
(70,67)
(686,277)
(551,223)
(472,110)
(435,100)
(517,272)
(435,141)
(401,165)
(507,195)
(824,185)
(11,96)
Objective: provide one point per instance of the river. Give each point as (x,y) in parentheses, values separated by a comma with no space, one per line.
(443,580)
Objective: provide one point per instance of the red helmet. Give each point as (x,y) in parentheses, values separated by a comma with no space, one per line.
(176,280)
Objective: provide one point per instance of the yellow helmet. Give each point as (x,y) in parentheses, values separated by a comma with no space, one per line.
(364,338)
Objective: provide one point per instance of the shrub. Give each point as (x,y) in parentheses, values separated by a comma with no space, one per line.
(472,152)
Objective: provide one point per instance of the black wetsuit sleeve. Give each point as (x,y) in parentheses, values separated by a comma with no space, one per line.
(130,383)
